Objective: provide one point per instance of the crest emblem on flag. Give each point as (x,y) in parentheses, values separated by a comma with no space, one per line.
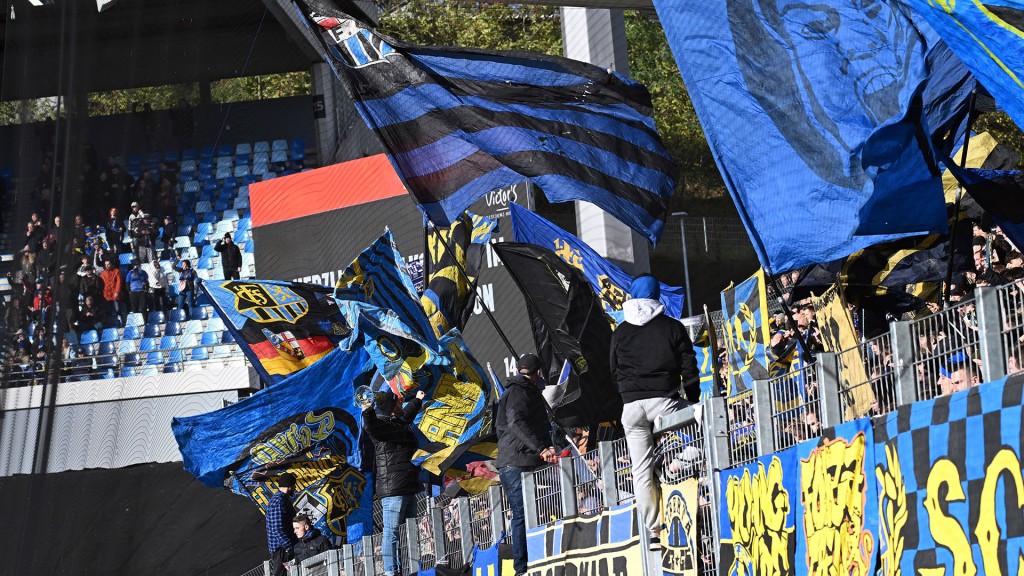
(267,303)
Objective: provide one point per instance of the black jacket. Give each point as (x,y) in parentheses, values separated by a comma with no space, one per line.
(651,360)
(524,430)
(393,447)
(310,545)
(230,256)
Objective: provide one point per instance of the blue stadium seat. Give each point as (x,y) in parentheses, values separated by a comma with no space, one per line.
(229,216)
(241,160)
(184,230)
(135,319)
(89,349)
(210,217)
(106,362)
(188,166)
(279,145)
(203,230)
(131,359)
(188,154)
(170,156)
(241,171)
(202,299)
(261,146)
(244,148)
(125,259)
(249,247)
(109,335)
(223,172)
(130,333)
(200,353)
(224,161)
(298,144)
(127,346)
(244,223)
(129,371)
(156,317)
(202,207)
(240,203)
(210,338)
(72,338)
(172,329)
(226,337)
(250,179)
(171,368)
(177,356)
(220,205)
(198,313)
(206,153)
(168,343)
(205,173)
(241,237)
(268,176)
(190,219)
(148,345)
(217,273)
(176,315)
(277,156)
(89,337)
(151,331)
(107,348)
(192,328)
(205,262)
(215,324)
(189,340)
(149,370)
(225,150)
(260,167)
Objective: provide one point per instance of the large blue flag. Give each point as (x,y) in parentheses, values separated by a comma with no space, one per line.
(308,425)
(747,343)
(608,280)
(815,115)
(988,36)
(458,122)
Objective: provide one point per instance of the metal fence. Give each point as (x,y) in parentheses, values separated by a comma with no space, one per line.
(587,483)
(867,378)
(261,570)
(741,428)
(682,454)
(548,498)
(480,520)
(1011,325)
(377,541)
(427,550)
(623,471)
(325,564)
(945,347)
(795,407)
(452,534)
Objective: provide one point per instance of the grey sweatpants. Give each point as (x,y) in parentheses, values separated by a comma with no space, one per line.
(638,424)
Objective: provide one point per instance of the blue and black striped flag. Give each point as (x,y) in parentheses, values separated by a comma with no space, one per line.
(459,122)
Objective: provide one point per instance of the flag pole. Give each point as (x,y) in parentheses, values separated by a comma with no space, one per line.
(472,287)
(956,205)
(789,316)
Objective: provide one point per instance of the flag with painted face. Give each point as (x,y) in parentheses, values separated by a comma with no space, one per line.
(448,298)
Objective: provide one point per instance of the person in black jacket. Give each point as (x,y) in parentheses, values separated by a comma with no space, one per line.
(651,356)
(396,478)
(524,443)
(230,257)
(311,541)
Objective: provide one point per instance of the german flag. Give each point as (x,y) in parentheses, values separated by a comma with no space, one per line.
(282,327)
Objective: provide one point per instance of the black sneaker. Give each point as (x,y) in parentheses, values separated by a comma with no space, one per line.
(655,545)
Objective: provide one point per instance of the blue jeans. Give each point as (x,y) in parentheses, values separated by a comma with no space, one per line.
(396,510)
(512,482)
(186,297)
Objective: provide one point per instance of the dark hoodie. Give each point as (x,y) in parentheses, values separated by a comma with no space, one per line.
(524,430)
(310,545)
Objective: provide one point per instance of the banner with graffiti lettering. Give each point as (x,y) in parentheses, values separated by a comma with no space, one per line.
(757,517)
(839,335)
(837,506)
(307,425)
(745,308)
(679,532)
(608,543)
(949,483)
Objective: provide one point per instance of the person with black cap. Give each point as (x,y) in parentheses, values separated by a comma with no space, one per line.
(396,478)
(280,513)
(653,364)
(524,443)
(230,257)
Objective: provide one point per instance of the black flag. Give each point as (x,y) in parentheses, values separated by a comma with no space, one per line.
(568,324)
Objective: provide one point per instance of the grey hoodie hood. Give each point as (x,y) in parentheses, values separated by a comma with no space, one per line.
(640,311)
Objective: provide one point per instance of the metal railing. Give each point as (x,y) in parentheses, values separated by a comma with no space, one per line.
(328,563)
(794,404)
(867,378)
(945,347)
(480,520)
(587,483)
(452,535)
(1011,325)
(261,570)
(548,499)
(741,428)
(427,550)
(623,471)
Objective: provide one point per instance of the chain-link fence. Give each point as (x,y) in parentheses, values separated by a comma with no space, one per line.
(1011,325)
(945,347)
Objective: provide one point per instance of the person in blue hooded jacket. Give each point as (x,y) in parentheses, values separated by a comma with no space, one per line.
(655,368)
(138,282)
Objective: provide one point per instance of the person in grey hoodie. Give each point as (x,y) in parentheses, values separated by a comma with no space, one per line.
(655,369)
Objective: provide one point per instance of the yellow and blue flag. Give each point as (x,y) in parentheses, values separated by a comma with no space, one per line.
(745,309)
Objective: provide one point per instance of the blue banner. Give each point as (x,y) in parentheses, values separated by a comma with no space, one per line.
(609,282)
(989,38)
(745,309)
(307,425)
(813,113)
